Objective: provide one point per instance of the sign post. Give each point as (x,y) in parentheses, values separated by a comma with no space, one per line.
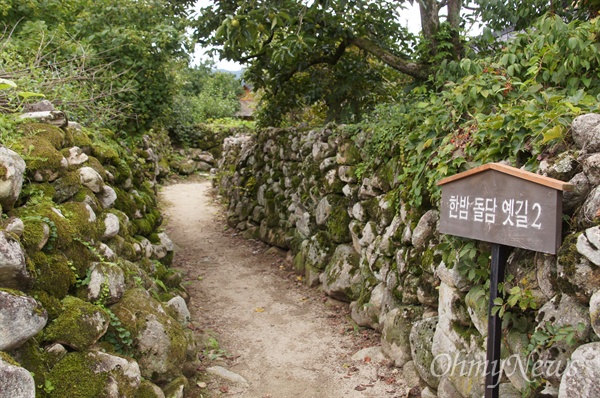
(507,207)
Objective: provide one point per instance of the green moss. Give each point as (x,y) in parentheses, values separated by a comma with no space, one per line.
(568,256)
(96,165)
(78,215)
(75,326)
(39,154)
(80,257)
(53,274)
(73,374)
(81,138)
(8,359)
(105,153)
(33,234)
(51,304)
(85,195)
(35,359)
(147,390)
(66,186)
(52,134)
(337,225)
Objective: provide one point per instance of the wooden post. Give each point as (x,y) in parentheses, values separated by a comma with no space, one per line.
(494,339)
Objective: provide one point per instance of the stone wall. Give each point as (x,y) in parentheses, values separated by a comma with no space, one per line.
(89,306)
(356,240)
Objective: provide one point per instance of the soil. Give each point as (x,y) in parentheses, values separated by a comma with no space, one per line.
(256,318)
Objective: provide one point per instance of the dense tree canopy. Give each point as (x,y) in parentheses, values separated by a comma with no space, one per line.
(344,45)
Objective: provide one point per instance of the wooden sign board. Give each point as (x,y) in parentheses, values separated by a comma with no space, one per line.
(505,205)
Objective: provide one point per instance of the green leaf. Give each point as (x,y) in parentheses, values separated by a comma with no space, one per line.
(27,94)
(573,43)
(5,84)
(552,134)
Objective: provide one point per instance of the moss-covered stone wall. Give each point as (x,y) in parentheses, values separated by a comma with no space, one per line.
(359,242)
(81,249)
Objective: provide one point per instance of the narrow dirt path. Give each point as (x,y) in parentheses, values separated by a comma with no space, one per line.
(286,340)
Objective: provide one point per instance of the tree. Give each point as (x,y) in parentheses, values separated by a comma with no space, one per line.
(284,41)
(279,39)
(133,49)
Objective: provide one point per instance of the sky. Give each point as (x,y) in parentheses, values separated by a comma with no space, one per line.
(410,17)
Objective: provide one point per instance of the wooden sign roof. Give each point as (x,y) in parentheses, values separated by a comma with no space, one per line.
(513,171)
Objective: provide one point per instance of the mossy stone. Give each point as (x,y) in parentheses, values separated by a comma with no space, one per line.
(73,374)
(48,132)
(39,154)
(53,274)
(81,139)
(51,304)
(78,217)
(35,359)
(96,165)
(105,153)
(79,326)
(80,256)
(149,390)
(337,225)
(66,187)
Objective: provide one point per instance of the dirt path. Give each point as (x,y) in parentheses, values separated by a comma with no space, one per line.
(286,340)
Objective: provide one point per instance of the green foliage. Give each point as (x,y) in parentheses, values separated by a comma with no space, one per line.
(110,62)
(206,96)
(516,106)
(549,334)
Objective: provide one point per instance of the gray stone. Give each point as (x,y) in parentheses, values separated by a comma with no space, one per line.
(576,197)
(585,132)
(124,372)
(347,174)
(358,212)
(107,282)
(106,252)
(176,388)
(112,226)
(588,244)
(107,197)
(21,318)
(410,375)
(369,233)
(589,211)
(515,364)
(447,390)
(92,217)
(507,390)
(581,377)
(367,190)
(391,237)
(76,156)
(591,168)
(226,374)
(79,326)
(342,278)
(91,179)
(16,382)
(161,343)
(159,252)
(364,315)
(203,166)
(428,393)
(396,331)
(324,209)
(166,241)
(12,262)
(452,277)
(41,106)
(560,311)
(425,229)
(563,167)
(178,304)
(421,340)
(595,312)
(374,355)
(55,118)
(11,181)
(15,226)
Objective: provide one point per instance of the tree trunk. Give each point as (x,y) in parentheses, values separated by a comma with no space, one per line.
(418,71)
(430,22)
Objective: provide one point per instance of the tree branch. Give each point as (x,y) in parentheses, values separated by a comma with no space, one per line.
(418,71)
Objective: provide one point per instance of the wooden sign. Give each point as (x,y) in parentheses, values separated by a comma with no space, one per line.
(505,205)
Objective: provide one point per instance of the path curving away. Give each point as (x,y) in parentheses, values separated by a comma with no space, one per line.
(286,340)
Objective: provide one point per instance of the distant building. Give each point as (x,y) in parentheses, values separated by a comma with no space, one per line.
(247,104)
